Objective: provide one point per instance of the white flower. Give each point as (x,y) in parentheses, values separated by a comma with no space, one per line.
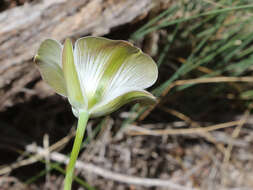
(99,75)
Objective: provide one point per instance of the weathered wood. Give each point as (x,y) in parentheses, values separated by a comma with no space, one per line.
(23,28)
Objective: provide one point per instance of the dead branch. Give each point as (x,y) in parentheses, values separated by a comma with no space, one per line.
(148,182)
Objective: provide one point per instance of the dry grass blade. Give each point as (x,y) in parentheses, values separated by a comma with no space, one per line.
(207,80)
(195,81)
(36,158)
(208,136)
(180,116)
(135,130)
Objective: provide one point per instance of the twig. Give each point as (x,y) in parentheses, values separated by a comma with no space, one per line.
(47,159)
(235,135)
(148,182)
(228,151)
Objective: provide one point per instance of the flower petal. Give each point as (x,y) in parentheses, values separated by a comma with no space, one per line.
(72,82)
(137,72)
(48,60)
(105,65)
(103,109)
(90,59)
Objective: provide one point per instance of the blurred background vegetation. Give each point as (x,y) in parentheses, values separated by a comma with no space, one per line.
(199,134)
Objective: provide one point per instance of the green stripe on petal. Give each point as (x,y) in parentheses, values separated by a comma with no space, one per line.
(119,52)
(48,60)
(107,108)
(138,72)
(93,55)
(72,82)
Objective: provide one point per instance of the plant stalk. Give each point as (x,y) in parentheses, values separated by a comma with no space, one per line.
(82,122)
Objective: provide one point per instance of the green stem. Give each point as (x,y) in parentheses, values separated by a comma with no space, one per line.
(82,122)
